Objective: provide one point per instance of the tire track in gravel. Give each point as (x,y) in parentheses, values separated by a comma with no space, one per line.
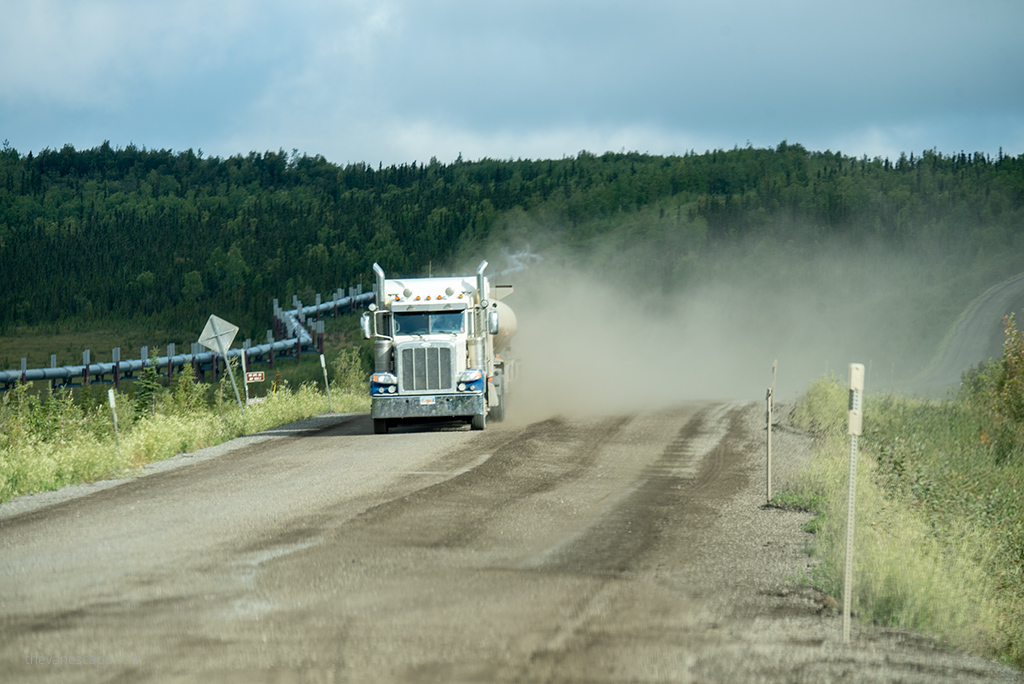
(623,544)
(455,512)
(670,487)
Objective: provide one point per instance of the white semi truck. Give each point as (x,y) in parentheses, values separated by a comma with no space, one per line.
(438,345)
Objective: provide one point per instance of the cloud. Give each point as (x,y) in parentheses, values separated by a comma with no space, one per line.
(395,80)
(401,78)
(73,54)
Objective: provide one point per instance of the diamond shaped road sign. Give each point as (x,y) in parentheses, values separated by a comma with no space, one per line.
(218,334)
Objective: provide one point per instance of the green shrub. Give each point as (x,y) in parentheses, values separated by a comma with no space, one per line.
(994,391)
(349,373)
(823,408)
(188,397)
(149,393)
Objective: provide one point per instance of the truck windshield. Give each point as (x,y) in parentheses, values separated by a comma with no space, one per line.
(448,322)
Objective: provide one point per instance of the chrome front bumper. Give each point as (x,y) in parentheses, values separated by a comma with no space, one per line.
(431,406)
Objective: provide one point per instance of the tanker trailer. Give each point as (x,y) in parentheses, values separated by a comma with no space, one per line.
(438,345)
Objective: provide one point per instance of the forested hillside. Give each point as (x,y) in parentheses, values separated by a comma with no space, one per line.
(115,234)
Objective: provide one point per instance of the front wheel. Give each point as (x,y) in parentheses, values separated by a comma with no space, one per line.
(479,421)
(380,426)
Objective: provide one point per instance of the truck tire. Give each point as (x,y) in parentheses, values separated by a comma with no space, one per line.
(380,426)
(479,421)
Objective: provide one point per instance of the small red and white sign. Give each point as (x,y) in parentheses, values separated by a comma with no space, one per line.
(255,376)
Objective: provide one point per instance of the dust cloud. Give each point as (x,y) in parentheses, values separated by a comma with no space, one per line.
(599,340)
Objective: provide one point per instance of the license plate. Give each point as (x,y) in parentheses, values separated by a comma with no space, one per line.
(426,401)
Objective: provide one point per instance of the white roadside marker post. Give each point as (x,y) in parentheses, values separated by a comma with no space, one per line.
(327,388)
(855,424)
(245,375)
(770,400)
(113,412)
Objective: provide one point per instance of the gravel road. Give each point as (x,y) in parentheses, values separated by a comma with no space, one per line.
(630,548)
(976,337)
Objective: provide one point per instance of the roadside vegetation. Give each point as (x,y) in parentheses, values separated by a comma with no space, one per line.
(939,544)
(50,440)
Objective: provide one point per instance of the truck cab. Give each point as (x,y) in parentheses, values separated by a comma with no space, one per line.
(436,343)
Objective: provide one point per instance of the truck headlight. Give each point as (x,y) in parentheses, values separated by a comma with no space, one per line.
(381,383)
(471,374)
(470,380)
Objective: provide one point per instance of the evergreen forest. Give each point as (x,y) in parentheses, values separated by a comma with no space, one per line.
(109,234)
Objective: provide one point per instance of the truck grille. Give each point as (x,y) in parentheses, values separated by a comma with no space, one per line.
(426,369)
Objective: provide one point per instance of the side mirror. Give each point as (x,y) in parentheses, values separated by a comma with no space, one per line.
(365,326)
(492,322)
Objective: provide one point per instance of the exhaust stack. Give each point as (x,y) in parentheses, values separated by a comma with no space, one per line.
(380,284)
(477,348)
(480,282)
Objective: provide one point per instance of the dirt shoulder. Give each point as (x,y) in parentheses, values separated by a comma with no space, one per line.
(778,628)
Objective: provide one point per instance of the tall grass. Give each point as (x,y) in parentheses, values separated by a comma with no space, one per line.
(939,545)
(47,442)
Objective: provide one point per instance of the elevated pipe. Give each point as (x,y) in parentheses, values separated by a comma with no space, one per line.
(298,336)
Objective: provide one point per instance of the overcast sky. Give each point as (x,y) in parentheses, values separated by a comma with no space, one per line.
(395,81)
